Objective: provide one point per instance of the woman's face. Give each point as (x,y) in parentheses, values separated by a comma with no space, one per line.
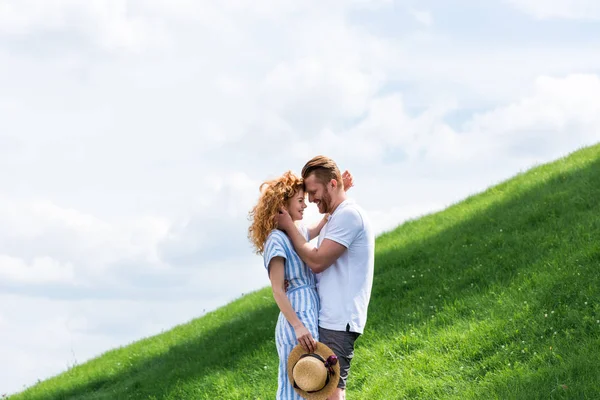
(296,205)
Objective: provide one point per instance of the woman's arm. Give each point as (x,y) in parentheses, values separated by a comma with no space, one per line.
(277,276)
(348,180)
(314,231)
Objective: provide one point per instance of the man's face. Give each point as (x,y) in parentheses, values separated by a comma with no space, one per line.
(318,193)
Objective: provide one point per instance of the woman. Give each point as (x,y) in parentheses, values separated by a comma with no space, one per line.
(299,303)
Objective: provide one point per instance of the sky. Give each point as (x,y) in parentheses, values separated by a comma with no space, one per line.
(134,135)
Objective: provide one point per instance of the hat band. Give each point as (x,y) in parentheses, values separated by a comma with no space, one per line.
(331,361)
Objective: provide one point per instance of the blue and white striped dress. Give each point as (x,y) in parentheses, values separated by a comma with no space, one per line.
(302,293)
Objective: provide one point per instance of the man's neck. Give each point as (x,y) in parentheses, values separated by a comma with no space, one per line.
(339,199)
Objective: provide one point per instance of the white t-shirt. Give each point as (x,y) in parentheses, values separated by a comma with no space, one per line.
(345,287)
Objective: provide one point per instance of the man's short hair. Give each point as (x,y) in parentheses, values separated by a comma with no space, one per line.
(324,169)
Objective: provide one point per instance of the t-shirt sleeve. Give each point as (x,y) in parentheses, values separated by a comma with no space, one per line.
(345,227)
(273,248)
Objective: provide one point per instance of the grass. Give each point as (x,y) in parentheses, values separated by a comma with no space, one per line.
(497,297)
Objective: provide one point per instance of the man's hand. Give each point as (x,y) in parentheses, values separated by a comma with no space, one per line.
(305,339)
(284,220)
(348,180)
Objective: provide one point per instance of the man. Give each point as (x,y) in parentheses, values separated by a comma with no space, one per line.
(343,261)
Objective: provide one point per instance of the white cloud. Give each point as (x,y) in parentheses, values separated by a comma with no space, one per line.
(423,17)
(110,24)
(218,230)
(560,112)
(43,243)
(387,127)
(571,9)
(41,270)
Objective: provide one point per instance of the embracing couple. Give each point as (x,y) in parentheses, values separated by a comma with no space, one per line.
(322,292)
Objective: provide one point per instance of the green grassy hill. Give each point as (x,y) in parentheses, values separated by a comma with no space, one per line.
(497,297)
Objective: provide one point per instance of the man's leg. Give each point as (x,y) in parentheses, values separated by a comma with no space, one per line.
(342,344)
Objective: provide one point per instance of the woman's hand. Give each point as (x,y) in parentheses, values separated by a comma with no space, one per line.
(348,180)
(305,339)
(284,220)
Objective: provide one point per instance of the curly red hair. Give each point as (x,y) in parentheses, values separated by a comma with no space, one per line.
(274,195)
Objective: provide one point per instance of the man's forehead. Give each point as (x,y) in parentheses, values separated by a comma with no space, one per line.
(311,182)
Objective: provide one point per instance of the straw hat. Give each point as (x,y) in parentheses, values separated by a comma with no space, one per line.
(314,376)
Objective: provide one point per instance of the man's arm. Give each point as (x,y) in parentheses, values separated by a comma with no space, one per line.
(314,231)
(317,259)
